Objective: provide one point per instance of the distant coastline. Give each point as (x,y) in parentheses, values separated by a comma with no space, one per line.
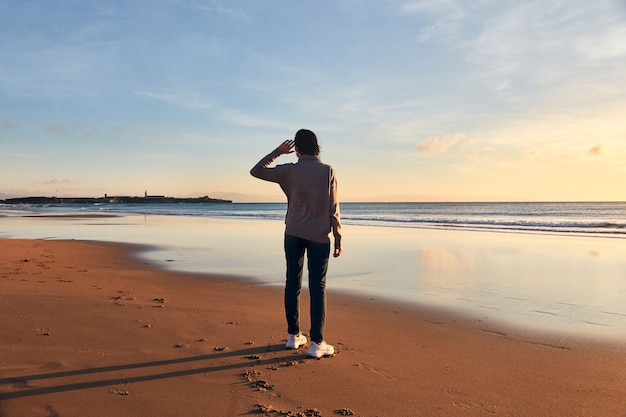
(147,199)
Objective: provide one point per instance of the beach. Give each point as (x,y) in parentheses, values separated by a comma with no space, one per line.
(90,328)
(560,285)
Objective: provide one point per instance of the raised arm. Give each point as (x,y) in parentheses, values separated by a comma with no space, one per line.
(262,168)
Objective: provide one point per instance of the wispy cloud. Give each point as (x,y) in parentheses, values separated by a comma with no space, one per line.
(15,156)
(438,145)
(5,124)
(63,181)
(47,67)
(212,7)
(229,115)
(179,99)
(595,151)
(241,118)
(542,46)
(449,8)
(443,14)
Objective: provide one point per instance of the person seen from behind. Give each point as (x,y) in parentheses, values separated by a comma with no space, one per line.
(312,214)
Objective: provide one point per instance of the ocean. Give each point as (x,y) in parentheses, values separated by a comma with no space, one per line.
(601,219)
(557,268)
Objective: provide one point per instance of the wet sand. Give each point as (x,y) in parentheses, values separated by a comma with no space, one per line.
(562,285)
(89,329)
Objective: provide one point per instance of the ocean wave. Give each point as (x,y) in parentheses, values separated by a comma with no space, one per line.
(520,225)
(589,219)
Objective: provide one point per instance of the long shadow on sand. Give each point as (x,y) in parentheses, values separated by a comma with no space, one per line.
(22,381)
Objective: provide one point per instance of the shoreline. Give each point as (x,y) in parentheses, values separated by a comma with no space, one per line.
(545,283)
(91,327)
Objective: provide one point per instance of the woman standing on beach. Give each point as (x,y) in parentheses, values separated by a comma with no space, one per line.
(312,214)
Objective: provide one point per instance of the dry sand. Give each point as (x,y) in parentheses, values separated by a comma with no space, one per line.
(89,330)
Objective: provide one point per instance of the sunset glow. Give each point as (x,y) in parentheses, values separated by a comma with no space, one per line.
(411,100)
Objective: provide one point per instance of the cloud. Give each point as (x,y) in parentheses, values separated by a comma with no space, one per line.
(437,145)
(449,8)
(595,151)
(230,115)
(446,15)
(55,181)
(5,124)
(547,47)
(241,118)
(187,101)
(212,8)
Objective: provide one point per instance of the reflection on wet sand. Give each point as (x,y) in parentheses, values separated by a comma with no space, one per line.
(560,283)
(438,266)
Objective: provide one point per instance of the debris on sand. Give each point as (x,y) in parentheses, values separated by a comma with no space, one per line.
(269,410)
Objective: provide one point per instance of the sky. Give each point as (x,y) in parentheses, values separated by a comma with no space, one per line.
(440,100)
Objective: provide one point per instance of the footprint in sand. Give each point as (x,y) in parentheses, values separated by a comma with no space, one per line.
(495,333)
(373,370)
(462,401)
(467,406)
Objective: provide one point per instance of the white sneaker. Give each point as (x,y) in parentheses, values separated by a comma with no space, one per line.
(294,341)
(317,350)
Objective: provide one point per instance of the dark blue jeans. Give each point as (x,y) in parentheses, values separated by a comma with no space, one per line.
(317,262)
